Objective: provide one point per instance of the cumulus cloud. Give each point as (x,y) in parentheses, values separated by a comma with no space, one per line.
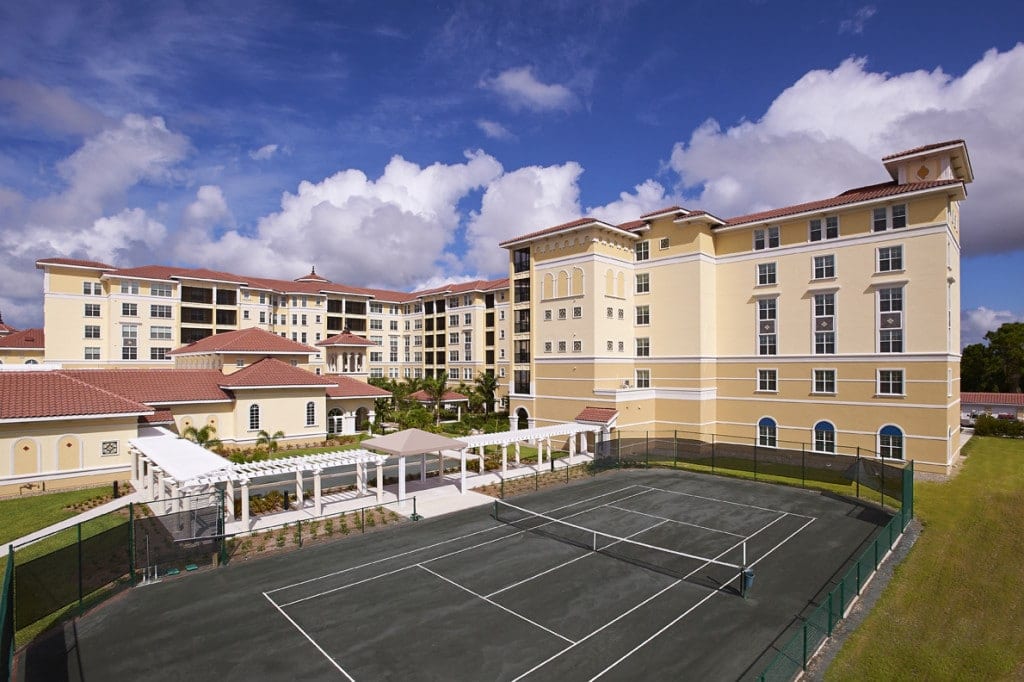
(392,231)
(855,24)
(54,110)
(976,322)
(648,196)
(494,130)
(828,131)
(519,202)
(263,153)
(521,90)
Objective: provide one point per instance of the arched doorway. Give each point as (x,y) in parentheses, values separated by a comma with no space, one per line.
(362,419)
(524,418)
(334,424)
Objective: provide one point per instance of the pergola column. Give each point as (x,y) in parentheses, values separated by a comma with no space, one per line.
(318,502)
(154,476)
(245,503)
(584,443)
(513,423)
(504,457)
(572,447)
(229,499)
(401,478)
(423,467)
(462,471)
(440,466)
(359,479)
(380,482)
(532,422)
(517,453)
(482,457)
(144,473)
(364,477)
(298,490)
(135,464)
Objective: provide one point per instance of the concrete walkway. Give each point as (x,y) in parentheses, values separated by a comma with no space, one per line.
(102,509)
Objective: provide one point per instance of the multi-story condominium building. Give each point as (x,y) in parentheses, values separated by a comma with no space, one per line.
(103,316)
(833,323)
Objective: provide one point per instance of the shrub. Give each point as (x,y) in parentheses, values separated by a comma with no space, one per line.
(987,425)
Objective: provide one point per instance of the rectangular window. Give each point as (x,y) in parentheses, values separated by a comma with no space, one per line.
(643,283)
(768,380)
(295,319)
(129,287)
(765,274)
(767,314)
(263,317)
(521,260)
(824,305)
(97,289)
(108,448)
(766,238)
(377,324)
(889,218)
(92,353)
(577,312)
(87,288)
(547,346)
(610,346)
(561,313)
(453,320)
(663,244)
(824,324)
(159,353)
(376,356)
(899,216)
(643,315)
(643,347)
(129,353)
(610,313)
(160,289)
(467,318)
(159,332)
(561,346)
(622,314)
(522,290)
(577,346)
(453,356)
(824,381)
(890,320)
(827,228)
(376,307)
(890,382)
(453,337)
(245,314)
(890,258)
(130,309)
(92,331)
(643,251)
(467,373)
(163,311)
(547,315)
(825,266)
(622,346)
(824,343)
(643,378)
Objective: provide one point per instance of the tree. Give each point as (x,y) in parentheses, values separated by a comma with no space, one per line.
(1006,345)
(486,387)
(435,388)
(978,369)
(270,440)
(202,436)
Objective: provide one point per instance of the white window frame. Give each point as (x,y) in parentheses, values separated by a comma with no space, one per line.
(824,267)
(766,238)
(826,228)
(888,260)
(642,378)
(767,376)
(643,312)
(823,388)
(642,346)
(643,283)
(642,251)
(879,383)
(767,274)
(830,443)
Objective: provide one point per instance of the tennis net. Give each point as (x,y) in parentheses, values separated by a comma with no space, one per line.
(712,572)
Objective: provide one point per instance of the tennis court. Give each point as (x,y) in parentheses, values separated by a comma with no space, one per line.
(626,575)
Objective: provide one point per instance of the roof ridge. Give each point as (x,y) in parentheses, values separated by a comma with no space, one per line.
(103,390)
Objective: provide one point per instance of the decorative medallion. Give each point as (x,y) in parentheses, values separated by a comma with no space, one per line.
(922,172)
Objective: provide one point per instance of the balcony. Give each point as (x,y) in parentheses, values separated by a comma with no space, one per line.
(521,358)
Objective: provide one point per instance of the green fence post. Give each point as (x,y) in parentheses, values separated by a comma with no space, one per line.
(675,449)
(131,542)
(755,458)
(712,453)
(803,465)
(80,596)
(362,521)
(502,487)
(883,484)
(647,449)
(829,628)
(856,476)
(858,576)
(222,528)
(536,480)
(842,598)
(803,661)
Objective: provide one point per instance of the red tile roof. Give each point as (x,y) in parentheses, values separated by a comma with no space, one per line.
(347,387)
(449,396)
(77,262)
(497,284)
(26,338)
(156,386)
(312,277)
(632,225)
(550,230)
(660,211)
(1001,399)
(273,372)
(251,340)
(346,339)
(157,418)
(924,148)
(6,328)
(41,395)
(600,415)
(851,196)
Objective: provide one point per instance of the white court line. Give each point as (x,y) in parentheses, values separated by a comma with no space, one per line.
(571,561)
(438,544)
(437,558)
(682,523)
(689,610)
(311,640)
(737,504)
(494,603)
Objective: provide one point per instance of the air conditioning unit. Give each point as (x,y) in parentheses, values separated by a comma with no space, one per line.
(767,327)
(825,324)
(893,320)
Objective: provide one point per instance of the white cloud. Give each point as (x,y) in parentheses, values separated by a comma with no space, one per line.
(526,200)
(521,90)
(649,196)
(855,24)
(828,131)
(263,153)
(55,110)
(976,322)
(494,130)
(209,209)
(393,231)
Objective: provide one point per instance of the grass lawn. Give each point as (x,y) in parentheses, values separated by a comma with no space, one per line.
(955,607)
(24,515)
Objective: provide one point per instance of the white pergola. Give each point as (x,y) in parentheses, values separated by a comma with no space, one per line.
(541,435)
(171,467)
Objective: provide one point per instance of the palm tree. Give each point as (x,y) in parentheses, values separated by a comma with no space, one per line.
(264,438)
(486,387)
(435,388)
(202,436)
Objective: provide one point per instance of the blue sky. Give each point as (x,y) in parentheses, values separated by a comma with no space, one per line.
(394,144)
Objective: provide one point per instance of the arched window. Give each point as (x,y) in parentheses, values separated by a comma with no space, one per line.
(563,284)
(334,422)
(577,281)
(549,286)
(767,432)
(890,442)
(30,361)
(310,413)
(824,437)
(254,417)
